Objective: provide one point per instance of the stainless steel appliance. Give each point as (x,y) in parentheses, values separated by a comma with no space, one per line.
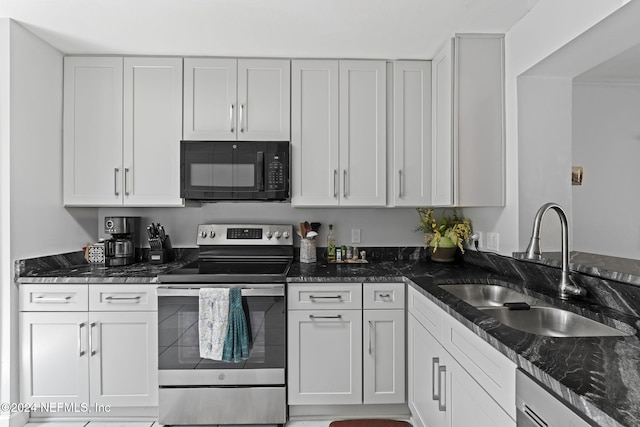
(120,249)
(196,391)
(537,407)
(234,170)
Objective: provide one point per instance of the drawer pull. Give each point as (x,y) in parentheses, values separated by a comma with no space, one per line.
(136,299)
(435,386)
(313,297)
(313,316)
(53,299)
(385,296)
(442,387)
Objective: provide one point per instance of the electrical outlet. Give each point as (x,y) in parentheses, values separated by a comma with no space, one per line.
(493,241)
(355,235)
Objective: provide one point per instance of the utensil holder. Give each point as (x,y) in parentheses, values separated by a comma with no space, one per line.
(307,250)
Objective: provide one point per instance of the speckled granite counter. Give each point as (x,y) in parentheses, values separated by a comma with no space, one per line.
(599,376)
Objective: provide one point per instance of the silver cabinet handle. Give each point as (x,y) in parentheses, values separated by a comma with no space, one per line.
(231,118)
(533,417)
(241,117)
(400,184)
(313,316)
(385,295)
(435,386)
(115,181)
(372,332)
(335,182)
(442,370)
(82,352)
(53,299)
(126,185)
(136,298)
(344,182)
(313,297)
(91,350)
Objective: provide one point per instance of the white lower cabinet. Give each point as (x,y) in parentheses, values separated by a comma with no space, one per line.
(441,391)
(106,358)
(340,354)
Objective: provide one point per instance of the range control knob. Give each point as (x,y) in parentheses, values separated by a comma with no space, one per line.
(268,234)
(285,234)
(277,234)
(212,234)
(203,234)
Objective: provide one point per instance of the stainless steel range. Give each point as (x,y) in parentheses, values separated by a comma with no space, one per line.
(195,390)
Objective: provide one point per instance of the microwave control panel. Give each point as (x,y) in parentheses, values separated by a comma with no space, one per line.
(276,172)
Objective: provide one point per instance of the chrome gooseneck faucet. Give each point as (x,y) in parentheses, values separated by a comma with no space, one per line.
(566,287)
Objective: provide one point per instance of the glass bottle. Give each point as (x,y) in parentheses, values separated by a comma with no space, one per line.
(331,245)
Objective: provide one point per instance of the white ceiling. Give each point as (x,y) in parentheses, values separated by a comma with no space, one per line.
(410,29)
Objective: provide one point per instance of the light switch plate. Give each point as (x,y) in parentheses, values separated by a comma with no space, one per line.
(355,235)
(493,241)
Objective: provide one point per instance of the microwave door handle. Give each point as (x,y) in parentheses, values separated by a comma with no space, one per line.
(260,173)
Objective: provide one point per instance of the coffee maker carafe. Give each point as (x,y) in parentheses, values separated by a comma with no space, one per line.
(121,248)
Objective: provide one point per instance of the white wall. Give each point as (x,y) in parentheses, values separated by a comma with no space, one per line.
(34,222)
(379,227)
(546,28)
(606,143)
(5,226)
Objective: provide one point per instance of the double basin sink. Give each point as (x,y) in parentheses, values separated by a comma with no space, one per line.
(527,313)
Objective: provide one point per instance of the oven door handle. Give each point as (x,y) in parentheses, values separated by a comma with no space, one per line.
(169,291)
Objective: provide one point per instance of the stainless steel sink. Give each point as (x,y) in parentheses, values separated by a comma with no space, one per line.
(540,319)
(552,322)
(488,295)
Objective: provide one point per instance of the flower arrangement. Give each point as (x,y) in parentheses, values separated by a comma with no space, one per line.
(449,232)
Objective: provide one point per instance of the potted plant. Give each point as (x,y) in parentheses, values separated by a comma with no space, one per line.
(445,236)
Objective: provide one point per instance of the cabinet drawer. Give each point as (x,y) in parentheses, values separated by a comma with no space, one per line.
(383,295)
(53,298)
(490,368)
(325,296)
(425,311)
(122,298)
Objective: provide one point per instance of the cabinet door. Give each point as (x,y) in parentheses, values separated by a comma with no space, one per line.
(466,403)
(423,358)
(412,133)
(314,133)
(264,99)
(54,357)
(363,133)
(325,357)
(442,143)
(152,131)
(210,99)
(92,131)
(478,132)
(124,358)
(384,373)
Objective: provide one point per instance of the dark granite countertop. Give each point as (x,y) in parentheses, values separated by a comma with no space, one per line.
(599,376)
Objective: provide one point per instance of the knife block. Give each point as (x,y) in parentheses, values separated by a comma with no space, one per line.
(164,255)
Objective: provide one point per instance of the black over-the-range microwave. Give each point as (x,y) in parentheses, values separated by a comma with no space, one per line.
(234,170)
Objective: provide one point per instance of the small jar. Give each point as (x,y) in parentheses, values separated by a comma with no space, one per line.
(338,254)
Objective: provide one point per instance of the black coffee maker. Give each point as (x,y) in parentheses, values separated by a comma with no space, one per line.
(125,232)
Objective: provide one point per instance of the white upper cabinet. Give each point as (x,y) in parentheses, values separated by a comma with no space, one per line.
(411,134)
(338,133)
(152,130)
(236,99)
(92,131)
(122,129)
(314,133)
(468,122)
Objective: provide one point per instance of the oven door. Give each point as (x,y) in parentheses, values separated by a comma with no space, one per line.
(234,170)
(179,360)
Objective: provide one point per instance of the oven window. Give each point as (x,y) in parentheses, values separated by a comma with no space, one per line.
(178,342)
(222,175)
